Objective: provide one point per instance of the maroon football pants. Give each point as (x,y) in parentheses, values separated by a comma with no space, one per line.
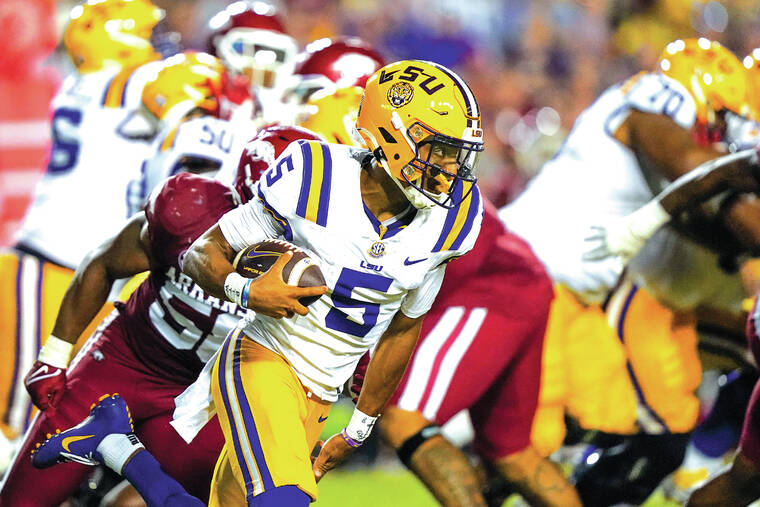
(106,365)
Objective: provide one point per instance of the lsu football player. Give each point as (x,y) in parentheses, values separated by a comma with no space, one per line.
(81,198)
(155,344)
(204,121)
(382,223)
(251,41)
(639,328)
(626,236)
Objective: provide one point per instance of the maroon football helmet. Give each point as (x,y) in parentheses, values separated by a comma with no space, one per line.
(262,151)
(332,64)
(250,39)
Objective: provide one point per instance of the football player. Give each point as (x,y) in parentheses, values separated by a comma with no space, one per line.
(383,224)
(152,346)
(626,236)
(480,350)
(204,118)
(81,196)
(623,149)
(251,41)
(326,65)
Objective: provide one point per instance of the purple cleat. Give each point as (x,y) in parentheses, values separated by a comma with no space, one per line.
(79,443)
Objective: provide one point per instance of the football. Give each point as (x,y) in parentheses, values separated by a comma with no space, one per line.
(253,261)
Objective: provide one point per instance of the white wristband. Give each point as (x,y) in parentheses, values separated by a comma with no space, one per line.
(360,425)
(234,286)
(646,220)
(56,352)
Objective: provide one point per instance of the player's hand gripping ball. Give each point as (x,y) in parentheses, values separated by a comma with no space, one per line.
(301,270)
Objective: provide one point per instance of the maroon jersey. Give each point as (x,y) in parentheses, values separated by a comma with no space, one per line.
(501,271)
(175,327)
(481,342)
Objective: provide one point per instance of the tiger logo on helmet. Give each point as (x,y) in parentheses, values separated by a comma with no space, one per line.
(413,110)
(103,33)
(719,84)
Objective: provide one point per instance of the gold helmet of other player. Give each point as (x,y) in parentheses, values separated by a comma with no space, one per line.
(102,33)
(186,82)
(413,112)
(332,114)
(719,85)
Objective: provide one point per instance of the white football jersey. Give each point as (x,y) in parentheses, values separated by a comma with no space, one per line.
(81,200)
(594,179)
(311,197)
(207,138)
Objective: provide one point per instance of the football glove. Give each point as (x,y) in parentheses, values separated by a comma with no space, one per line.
(625,236)
(46,380)
(353,387)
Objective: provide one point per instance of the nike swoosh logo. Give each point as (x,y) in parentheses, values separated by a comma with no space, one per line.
(442,113)
(39,374)
(409,262)
(70,440)
(322,419)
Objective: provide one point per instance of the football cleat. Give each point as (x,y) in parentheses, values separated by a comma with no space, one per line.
(79,443)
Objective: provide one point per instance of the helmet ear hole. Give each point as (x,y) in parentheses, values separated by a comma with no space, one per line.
(396,156)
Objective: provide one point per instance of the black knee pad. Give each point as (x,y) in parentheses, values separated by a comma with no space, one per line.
(411,444)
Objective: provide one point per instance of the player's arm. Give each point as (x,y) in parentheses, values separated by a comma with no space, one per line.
(209,263)
(625,237)
(124,255)
(662,145)
(386,368)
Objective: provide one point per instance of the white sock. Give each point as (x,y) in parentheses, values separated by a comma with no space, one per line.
(117,449)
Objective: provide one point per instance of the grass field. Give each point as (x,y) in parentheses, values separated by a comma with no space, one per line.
(389,484)
(393,488)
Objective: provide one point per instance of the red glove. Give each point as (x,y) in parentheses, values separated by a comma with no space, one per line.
(46,384)
(46,381)
(353,387)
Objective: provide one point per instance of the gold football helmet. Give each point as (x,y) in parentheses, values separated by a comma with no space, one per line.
(413,112)
(716,80)
(102,33)
(185,82)
(332,115)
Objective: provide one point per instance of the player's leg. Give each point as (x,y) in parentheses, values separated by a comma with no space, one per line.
(192,465)
(270,425)
(503,417)
(88,374)
(107,436)
(440,465)
(31,289)
(461,352)
(740,484)
(664,369)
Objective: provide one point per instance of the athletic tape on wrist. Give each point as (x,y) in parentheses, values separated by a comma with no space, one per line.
(56,352)
(234,286)
(360,425)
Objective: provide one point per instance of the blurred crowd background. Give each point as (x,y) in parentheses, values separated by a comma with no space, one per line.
(533,64)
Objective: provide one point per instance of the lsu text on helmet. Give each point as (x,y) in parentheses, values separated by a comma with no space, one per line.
(716,80)
(333,115)
(414,113)
(102,33)
(185,82)
(262,151)
(250,39)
